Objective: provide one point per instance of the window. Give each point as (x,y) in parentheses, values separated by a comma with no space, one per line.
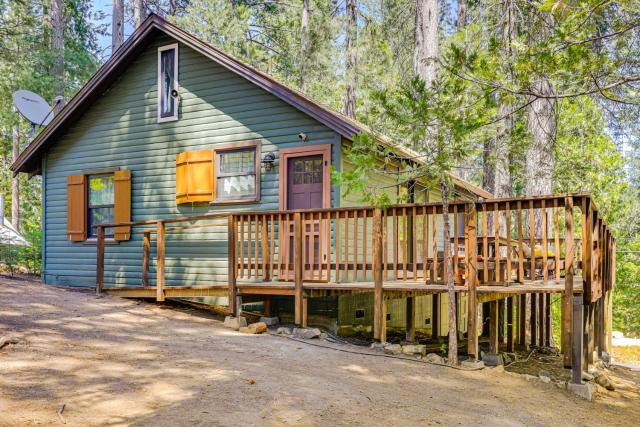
(237,172)
(167,83)
(100,202)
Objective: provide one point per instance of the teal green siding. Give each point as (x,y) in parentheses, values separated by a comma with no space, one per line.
(121,130)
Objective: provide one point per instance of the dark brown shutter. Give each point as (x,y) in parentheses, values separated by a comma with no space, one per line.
(122,204)
(76,208)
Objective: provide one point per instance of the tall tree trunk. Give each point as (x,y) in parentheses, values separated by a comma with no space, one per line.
(349,104)
(304,29)
(539,163)
(425,53)
(173,7)
(15,182)
(57,44)
(461,20)
(452,357)
(117,25)
(139,12)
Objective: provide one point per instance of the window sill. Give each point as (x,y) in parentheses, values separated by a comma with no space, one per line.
(94,242)
(234,202)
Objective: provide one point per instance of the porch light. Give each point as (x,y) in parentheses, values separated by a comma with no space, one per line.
(268,160)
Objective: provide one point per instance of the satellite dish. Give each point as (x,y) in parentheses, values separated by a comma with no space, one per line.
(33,107)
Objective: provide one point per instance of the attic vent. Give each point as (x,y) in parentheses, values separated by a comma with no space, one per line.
(427,321)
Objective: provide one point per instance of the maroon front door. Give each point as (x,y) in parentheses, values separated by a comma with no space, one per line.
(305,191)
(304,182)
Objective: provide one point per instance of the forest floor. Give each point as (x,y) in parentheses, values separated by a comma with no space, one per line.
(121,362)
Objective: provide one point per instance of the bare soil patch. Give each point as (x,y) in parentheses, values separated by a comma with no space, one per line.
(112,361)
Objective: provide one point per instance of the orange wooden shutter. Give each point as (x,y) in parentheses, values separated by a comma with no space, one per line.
(194,176)
(76,208)
(122,204)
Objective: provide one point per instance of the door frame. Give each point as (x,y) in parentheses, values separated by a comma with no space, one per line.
(303,151)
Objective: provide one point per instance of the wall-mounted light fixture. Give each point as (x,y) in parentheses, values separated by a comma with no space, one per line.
(268,160)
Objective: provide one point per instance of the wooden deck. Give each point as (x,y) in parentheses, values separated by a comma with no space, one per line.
(500,252)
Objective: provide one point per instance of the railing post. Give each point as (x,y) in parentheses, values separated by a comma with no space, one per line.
(146,255)
(471,278)
(379,318)
(297,267)
(232,262)
(100,260)
(160,240)
(567,297)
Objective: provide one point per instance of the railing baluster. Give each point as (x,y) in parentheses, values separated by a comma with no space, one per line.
(337,245)
(434,239)
(545,268)
(256,248)
(508,220)
(496,242)
(346,246)
(249,248)
(456,232)
(355,245)
(556,236)
(280,248)
(364,244)
(414,246)
(425,247)
(485,244)
(298,252)
(287,246)
(272,247)
(532,241)
(405,243)
(520,245)
(241,245)
(385,242)
(395,244)
(264,248)
(232,262)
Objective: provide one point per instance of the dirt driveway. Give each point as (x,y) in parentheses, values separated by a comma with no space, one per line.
(114,361)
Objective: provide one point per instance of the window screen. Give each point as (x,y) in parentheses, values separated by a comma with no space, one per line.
(236,174)
(100,203)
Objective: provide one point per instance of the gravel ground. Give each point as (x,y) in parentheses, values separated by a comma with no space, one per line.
(111,361)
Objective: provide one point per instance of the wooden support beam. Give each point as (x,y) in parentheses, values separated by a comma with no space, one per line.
(297,267)
(232,258)
(576,348)
(501,321)
(305,315)
(471,279)
(511,324)
(522,320)
(547,320)
(379,318)
(567,296)
(591,334)
(493,327)
(533,319)
(435,316)
(160,245)
(541,322)
(146,257)
(100,261)
(410,319)
(600,321)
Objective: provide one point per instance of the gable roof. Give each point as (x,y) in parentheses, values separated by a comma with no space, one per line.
(29,159)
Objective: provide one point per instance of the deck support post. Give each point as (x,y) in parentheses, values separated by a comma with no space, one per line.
(410,319)
(547,321)
(379,317)
(305,307)
(232,263)
(576,348)
(471,249)
(590,334)
(511,324)
(160,238)
(435,316)
(534,319)
(146,256)
(501,322)
(567,296)
(522,321)
(100,260)
(297,267)
(541,323)
(493,327)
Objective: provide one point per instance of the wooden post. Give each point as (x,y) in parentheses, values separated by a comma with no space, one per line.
(471,278)
(232,263)
(541,311)
(435,316)
(567,296)
(297,267)
(547,320)
(146,256)
(383,329)
(600,326)
(522,321)
(576,348)
(305,307)
(591,334)
(160,239)
(534,319)
(100,260)
(493,327)
(410,317)
(379,317)
(501,321)
(510,324)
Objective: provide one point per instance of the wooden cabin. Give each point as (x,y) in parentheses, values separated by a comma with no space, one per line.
(178,171)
